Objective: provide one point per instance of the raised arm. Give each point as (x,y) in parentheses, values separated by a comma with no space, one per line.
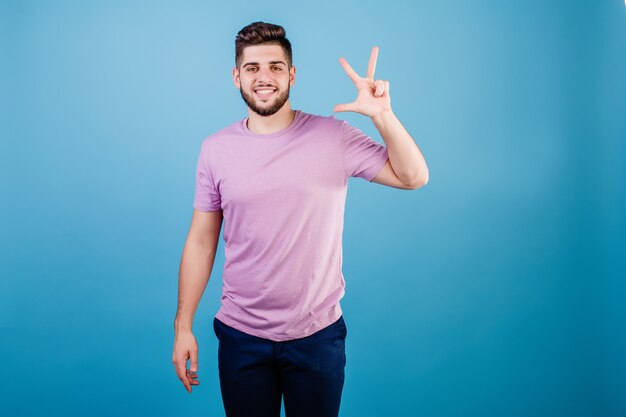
(406,167)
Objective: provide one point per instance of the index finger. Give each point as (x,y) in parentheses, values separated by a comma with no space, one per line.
(181,371)
(351,73)
(371,66)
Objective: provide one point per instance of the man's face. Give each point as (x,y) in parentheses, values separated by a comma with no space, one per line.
(264,80)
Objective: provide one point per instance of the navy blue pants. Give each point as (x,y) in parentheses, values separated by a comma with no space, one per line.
(256,373)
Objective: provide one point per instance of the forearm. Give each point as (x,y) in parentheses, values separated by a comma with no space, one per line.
(405,156)
(195,269)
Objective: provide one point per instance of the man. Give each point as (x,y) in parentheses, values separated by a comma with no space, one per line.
(279,178)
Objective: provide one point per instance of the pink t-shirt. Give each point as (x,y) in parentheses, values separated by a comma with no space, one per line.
(283,197)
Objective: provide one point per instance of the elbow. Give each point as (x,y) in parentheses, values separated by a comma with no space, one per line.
(417,185)
(419,182)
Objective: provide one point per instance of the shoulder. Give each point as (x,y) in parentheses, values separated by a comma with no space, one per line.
(220,135)
(322,121)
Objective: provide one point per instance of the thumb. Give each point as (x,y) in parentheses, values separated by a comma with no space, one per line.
(343,107)
(193,358)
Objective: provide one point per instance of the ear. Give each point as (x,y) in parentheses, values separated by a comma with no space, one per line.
(292,76)
(236,79)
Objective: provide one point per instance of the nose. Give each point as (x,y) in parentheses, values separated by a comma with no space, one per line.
(264,74)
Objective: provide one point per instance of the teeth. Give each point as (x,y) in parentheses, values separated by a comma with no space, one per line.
(264,91)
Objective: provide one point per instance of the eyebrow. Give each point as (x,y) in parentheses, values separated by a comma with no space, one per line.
(271,63)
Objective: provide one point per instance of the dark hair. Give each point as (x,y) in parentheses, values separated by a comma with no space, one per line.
(259,33)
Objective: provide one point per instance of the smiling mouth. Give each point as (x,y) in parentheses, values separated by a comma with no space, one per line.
(265,92)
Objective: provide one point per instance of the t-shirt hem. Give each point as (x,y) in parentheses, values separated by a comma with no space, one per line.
(202,208)
(375,169)
(328,320)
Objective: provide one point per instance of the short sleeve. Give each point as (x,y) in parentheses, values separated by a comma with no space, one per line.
(207,197)
(362,156)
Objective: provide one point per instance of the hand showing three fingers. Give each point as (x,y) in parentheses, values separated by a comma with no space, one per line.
(373,95)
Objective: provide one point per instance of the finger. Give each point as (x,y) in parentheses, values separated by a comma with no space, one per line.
(380,88)
(190,377)
(387,87)
(344,107)
(185,382)
(194,360)
(371,66)
(181,371)
(351,73)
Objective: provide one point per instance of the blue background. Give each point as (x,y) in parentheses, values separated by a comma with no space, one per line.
(495,290)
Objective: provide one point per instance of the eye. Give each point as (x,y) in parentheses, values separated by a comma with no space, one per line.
(278,68)
(251,68)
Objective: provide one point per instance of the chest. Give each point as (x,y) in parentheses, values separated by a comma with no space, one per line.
(267,175)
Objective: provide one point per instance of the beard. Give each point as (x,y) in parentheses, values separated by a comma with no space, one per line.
(266,109)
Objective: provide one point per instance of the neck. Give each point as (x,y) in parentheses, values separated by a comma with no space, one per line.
(270,124)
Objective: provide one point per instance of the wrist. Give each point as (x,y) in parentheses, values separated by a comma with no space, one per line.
(382,116)
(182,326)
